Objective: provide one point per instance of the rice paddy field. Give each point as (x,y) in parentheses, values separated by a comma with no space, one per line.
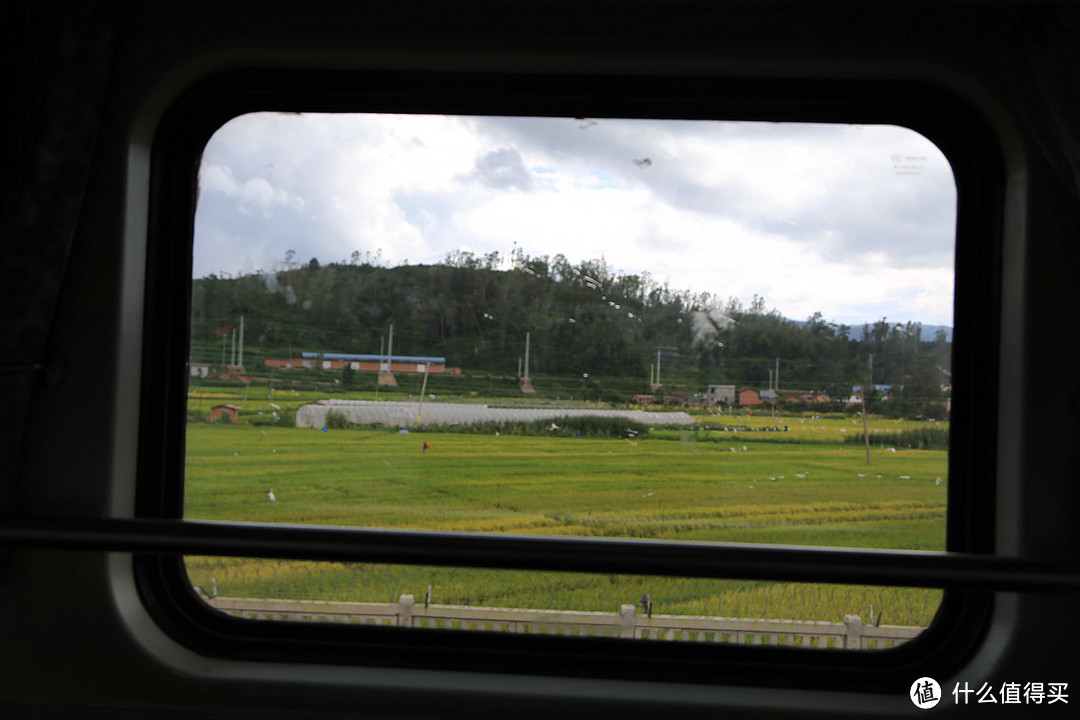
(719,482)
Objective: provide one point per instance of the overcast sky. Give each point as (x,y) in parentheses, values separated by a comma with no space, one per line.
(854,221)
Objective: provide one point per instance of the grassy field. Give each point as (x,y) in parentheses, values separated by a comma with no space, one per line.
(817,492)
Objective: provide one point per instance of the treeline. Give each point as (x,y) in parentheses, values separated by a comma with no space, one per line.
(917,439)
(566,427)
(583,319)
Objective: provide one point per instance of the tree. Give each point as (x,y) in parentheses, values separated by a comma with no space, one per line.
(584,318)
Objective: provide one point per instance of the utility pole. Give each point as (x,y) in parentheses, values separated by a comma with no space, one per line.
(386,372)
(865,427)
(659,350)
(527,356)
(423,389)
(232,354)
(524,383)
(774,395)
(776,377)
(241,341)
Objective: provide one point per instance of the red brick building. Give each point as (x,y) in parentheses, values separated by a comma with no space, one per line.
(230,411)
(747,396)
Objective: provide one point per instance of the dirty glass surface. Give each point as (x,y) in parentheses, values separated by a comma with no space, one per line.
(680,330)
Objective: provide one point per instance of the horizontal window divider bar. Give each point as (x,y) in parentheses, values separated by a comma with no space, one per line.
(909,568)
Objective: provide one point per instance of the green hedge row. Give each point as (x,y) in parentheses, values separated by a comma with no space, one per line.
(589,427)
(919,439)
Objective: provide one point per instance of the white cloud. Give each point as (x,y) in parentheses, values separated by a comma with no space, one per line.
(254,193)
(223,253)
(812,217)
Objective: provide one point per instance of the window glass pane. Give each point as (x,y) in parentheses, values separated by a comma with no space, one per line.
(569,604)
(593,327)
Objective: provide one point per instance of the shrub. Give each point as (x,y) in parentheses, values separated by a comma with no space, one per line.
(336,420)
(917,439)
(591,427)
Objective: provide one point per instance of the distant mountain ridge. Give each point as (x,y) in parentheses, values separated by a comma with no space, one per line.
(578,321)
(929,332)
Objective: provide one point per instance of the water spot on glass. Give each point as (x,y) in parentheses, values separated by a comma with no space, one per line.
(306,304)
(572,320)
(290,295)
(585,375)
(618,307)
(630,315)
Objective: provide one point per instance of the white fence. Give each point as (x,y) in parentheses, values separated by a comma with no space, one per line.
(850,634)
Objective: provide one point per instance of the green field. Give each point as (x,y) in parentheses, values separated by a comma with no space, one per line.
(689,487)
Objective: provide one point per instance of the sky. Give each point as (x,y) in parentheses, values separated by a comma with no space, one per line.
(854,221)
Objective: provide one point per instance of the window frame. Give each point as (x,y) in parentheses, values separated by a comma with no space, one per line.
(958,130)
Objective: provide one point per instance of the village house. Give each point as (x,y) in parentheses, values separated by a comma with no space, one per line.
(747,396)
(720,394)
(804,396)
(370,363)
(225,410)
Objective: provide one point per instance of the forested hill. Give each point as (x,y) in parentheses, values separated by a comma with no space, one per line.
(582,319)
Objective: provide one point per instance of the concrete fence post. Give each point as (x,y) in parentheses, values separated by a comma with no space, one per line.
(853,634)
(404,612)
(627,620)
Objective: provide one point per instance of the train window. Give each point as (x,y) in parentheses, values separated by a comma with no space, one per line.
(518,350)
(682,330)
